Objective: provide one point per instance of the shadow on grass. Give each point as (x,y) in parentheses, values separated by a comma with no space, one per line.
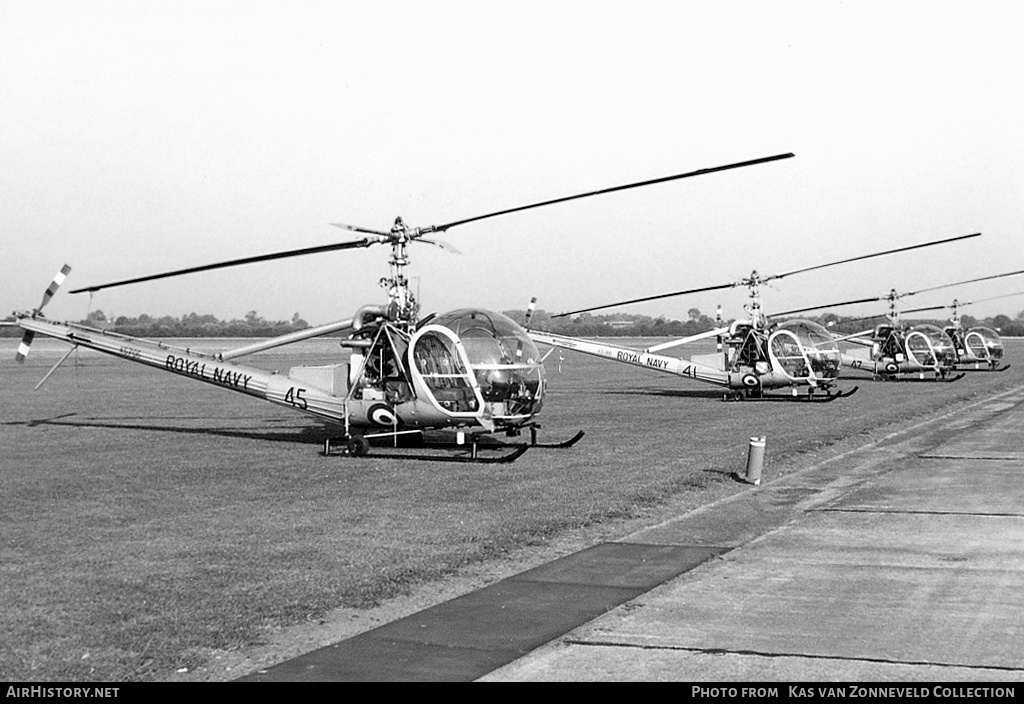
(296,434)
(717,395)
(672,393)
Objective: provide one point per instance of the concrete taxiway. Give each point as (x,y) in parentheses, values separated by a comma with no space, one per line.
(900,561)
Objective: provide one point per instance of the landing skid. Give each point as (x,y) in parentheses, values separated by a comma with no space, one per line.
(805,398)
(841,394)
(524,445)
(471,456)
(469,451)
(987,369)
(940,379)
(555,445)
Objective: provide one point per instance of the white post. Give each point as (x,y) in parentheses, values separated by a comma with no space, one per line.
(755,459)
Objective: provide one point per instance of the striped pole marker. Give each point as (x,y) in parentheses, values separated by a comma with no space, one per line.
(718,340)
(529,314)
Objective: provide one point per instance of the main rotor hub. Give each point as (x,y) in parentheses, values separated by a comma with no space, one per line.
(402,308)
(400,230)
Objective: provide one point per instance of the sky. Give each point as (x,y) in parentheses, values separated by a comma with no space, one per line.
(138,137)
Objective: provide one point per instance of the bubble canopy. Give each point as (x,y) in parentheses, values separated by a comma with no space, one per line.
(930,346)
(505,362)
(984,343)
(804,349)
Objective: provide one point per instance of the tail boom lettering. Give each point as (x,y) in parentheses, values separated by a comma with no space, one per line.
(636,358)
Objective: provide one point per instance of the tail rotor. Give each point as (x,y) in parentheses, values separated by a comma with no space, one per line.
(530,309)
(26,339)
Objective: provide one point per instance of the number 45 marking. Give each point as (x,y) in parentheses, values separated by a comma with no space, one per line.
(295,397)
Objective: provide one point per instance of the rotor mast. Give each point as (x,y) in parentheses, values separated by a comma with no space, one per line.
(956,315)
(403,309)
(894,313)
(757,318)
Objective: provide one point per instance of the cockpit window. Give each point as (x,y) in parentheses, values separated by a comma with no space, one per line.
(919,349)
(443,372)
(789,355)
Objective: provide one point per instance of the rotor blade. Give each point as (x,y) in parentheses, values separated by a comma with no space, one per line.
(233,262)
(960,283)
(648,298)
(58,279)
(926,308)
(664,179)
(779,276)
(880,316)
(961,304)
(828,305)
(869,256)
(355,228)
(992,298)
(23,348)
(687,340)
(861,334)
(440,244)
(909,293)
(286,339)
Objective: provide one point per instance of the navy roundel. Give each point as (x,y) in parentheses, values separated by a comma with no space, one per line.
(382,414)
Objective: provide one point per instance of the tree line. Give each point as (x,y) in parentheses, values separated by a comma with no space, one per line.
(616,325)
(626,325)
(254,325)
(191,325)
(582,325)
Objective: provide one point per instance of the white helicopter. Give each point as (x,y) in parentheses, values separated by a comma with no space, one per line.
(758,355)
(977,345)
(894,350)
(473,371)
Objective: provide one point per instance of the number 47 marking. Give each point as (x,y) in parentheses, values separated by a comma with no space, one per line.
(294,397)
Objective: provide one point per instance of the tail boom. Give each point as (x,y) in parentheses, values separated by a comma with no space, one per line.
(636,358)
(276,388)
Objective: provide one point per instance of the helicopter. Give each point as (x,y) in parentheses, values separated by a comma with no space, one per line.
(471,370)
(754,355)
(897,350)
(977,345)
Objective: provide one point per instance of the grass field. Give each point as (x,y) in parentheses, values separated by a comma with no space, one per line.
(149,523)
